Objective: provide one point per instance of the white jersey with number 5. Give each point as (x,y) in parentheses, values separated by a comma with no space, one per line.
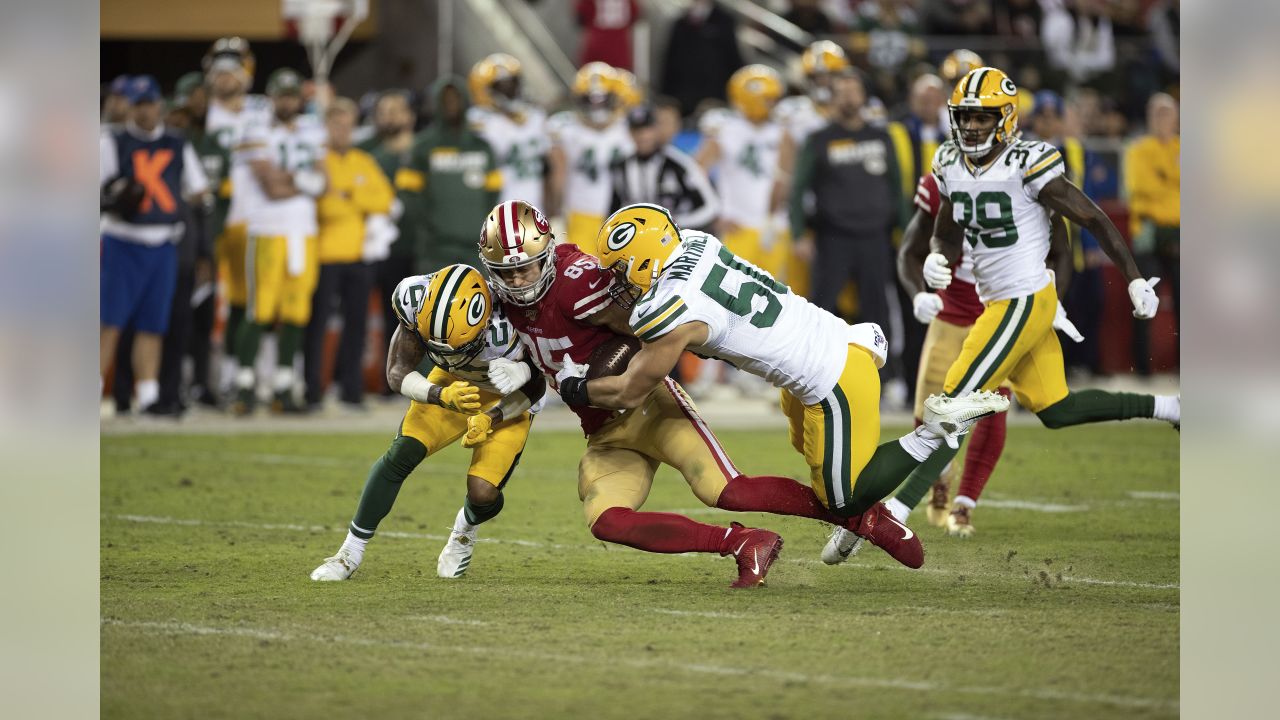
(1006,229)
(501,340)
(756,323)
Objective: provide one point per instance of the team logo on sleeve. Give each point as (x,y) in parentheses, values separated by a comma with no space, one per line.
(620,236)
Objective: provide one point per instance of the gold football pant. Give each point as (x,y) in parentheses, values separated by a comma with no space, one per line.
(273,294)
(839,434)
(621,458)
(582,228)
(1013,340)
(746,243)
(230,251)
(437,428)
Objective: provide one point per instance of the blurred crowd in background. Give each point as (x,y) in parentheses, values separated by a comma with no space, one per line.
(398,180)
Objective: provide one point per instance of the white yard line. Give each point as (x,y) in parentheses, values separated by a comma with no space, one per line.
(825,681)
(1153,495)
(161,520)
(699,613)
(446,620)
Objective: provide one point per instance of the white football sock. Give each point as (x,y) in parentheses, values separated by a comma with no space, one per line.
(920,444)
(148,392)
(227,375)
(354,547)
(964,501)
(460,524)
(283,379)
(1168,408)
(244,378)
(898,509)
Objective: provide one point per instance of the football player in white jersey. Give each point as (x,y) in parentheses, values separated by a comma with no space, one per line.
(281,264)
(996,196)
(687,291)
(800,116)
(481,391)
(514,128)
(741,146)
(584,141)
(228,71)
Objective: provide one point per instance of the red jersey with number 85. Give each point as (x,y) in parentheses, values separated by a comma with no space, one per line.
(560,322)
(960,303)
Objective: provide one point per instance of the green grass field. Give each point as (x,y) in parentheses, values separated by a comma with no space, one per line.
(1065,603)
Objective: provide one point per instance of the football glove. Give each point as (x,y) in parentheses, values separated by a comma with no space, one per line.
(570,369)
(508,376)
(123,196)
(926,306)
(460,396)
(1143,296)
(1060,322)
(937,274)
(479,428)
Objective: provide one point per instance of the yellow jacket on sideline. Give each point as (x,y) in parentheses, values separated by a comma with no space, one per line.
(357,189)
(1153,179)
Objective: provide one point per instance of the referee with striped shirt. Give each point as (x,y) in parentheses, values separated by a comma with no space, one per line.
(662,175)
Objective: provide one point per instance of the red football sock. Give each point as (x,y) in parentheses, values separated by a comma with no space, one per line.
(658,532)
(984,451)
(778,495)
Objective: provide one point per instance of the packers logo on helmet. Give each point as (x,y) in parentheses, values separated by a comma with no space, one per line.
(515,241)
(495,81)
(635,244)
(753,91)
(985,91)
(455,314)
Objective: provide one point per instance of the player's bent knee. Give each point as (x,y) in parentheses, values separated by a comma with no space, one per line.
(1058,414)
(405,454)
(481,491)
(606,525)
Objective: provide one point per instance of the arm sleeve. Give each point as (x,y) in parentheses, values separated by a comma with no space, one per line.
(799,186)
(194,181)
(706,205)
(107,165)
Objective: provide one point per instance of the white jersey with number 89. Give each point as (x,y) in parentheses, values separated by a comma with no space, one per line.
(756,323)
(1006,229)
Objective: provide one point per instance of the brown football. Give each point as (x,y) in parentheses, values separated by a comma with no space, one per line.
(611,356)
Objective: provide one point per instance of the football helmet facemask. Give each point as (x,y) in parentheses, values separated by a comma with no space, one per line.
(517,237)
(495,81)
(819,62)
(595,89)
(635,244)
(754,90)
(984,90)
(455,314)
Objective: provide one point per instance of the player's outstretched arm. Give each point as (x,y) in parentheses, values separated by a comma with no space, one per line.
(646,370)
(1070,201)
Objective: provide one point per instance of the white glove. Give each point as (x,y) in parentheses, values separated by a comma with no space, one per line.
(508,376)
(937,274)
(926,306)
(1060,322)
(309,181)
(570,369)
(1144,299)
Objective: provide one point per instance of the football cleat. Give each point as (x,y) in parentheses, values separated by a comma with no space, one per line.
(937,508)
(885,532)
(960,522)
(949,418)
(455,558)
(284,404)
(338,567)
(755,550)
(244,403)
(841,546)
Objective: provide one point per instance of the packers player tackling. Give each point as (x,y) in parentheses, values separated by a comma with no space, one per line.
(481,390)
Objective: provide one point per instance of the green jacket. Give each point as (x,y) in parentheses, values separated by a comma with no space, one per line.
(216,162)
(457,176)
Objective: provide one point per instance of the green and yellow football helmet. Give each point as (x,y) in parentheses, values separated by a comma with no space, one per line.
(754,90)
(635,244)
(984,90)
(495,81)
(455,314)
(595,90)
(820,61)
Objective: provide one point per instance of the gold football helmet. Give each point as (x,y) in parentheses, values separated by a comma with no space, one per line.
(820,61)
(635,244)
(595,88)
(454,315)
(229,54)
(519,251)
(984,90)
(753,91)
(495,81)
(629,90)
(958,64)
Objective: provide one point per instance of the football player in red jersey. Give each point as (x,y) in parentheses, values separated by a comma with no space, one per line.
(557,298)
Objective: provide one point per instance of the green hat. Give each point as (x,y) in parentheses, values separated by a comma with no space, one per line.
(284,82)
(182,89)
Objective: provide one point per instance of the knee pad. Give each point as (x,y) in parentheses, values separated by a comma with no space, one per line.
(405,454)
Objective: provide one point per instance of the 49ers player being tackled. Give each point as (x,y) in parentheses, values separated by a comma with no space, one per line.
(687,291)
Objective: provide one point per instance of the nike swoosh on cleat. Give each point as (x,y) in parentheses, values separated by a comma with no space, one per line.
(905,529)
(755,558)
(735,552)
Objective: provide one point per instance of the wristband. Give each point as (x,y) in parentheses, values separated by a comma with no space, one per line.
(574,392)
(416,387)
